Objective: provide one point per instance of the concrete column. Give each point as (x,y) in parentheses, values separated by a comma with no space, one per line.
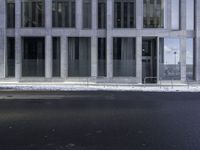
(94,45)
(183,58)
(64,57)
(2,37)
(183,41)
(158,57)
(109,53)
(48,39)
(139,14)
(94,41)
(139,59)
(109,40)
(48,15)
(197,40)
(79,14)
(48,57)
(18,40)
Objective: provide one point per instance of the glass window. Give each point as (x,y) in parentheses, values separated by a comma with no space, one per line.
(63,14)
(56,56)
(153,14)
(124,59)
(32,13)
(175,14)
(33,57)
(190,60)
(102,57)
(101,14)
(10,57)
(190,14)
(170,66)
(124,14)
(79,57)
(87,14)
(10,13)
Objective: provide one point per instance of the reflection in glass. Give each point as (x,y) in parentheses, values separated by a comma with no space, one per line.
(32,13)
(124,14)
(87,14)
(101,14)
(102,57)
(33,58)
(190,60)
(79,57)
(153,13)
(170,59)
(10,13)
(63,13)
(56,56)
(10,57)
(190,14)
(175,14)
(124,60)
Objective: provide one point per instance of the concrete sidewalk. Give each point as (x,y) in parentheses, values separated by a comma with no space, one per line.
(90,86)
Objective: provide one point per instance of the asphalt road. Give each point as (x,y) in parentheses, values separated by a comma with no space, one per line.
(99,121)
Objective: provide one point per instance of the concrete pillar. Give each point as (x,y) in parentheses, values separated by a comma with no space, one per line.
(197,40)
(48,57)
(139,14)
(158,57)
(183,41)
(79,14)
(2,37)
(18,41)
(109,40)
(94,41)
(183,58)
(64,57)
(48,15)
(139,59)
(94,45)
(48,39)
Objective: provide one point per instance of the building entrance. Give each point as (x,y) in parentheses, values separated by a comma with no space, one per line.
(149,60)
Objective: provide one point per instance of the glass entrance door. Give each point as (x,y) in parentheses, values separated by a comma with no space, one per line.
(149,60)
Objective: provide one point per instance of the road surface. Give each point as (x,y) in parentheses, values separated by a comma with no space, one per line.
(99,121)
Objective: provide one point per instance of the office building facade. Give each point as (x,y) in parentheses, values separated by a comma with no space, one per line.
(127,41)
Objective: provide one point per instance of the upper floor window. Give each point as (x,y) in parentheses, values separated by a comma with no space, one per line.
(87,14)
(153,14)
(101,14)
(63,14)
(190,14)
(175,8)
(124,13)
(10,13)
(32,13)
